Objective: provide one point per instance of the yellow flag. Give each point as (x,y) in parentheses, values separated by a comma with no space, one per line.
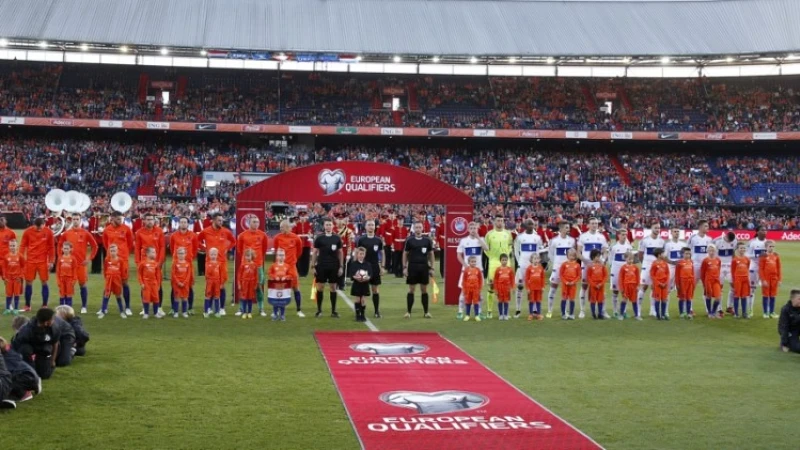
(313,289)
(435,290)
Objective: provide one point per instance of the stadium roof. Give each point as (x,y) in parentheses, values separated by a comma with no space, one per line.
(421,27)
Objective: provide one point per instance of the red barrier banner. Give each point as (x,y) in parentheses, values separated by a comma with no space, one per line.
(420,391)
(742,235)
(480,133)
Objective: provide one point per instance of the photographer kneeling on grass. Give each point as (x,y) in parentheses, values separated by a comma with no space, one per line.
(789,323)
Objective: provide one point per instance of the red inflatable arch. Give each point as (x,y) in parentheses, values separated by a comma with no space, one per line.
(371,183)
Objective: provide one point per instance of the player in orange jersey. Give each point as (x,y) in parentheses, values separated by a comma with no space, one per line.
(534,283)
(247,281)
(119,234)
(81,241)
(505,276)
(740,280)
(67,274)
(150,236)
(597,275)
(769,270)
(570,275)
(38,249)
(629,280)
(213,283)
(186,239)
(112,272)
(685,283)
(12,268)
(6,236)
(252,239)
(280,280)
(659,274)
(471,286)
(182,280)
(221,238)
(149,271)
(292,247)
(710,271)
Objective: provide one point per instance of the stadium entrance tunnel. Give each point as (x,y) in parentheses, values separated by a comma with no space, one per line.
(365,182)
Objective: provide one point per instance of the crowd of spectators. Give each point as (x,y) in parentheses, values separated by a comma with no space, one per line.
(104,92)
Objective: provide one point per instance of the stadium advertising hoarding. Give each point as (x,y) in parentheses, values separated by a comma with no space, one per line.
(408,132)
(742,235)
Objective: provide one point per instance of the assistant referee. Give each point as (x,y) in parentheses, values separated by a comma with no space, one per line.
(327,259)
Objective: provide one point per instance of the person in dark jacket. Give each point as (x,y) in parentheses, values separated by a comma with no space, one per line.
(24,381)
(38,342)
(5,387)
(81,335)
(67,342)
(789,323)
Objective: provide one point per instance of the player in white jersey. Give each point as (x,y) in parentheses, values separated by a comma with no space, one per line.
(588,241)
(558,249)
(726,245)
(619,252)
(755,248)
(526,244)
(674,249)
(471,245)
(647,245)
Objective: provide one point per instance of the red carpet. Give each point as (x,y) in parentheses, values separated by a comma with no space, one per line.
(417,391)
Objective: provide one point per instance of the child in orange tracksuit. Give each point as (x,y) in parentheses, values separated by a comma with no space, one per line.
(659,274)
(13,268)
(149,271)
(597,275)
(534,283)
(769,271)
(503,282)
(182,280)
(67,275)
(710,271)
(570,273)
(213,283)
(248,281)
(629,281)
(684,283)
(112,272)
(471,286)
(740,272)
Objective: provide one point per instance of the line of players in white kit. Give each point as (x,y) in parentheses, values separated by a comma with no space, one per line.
(700,244)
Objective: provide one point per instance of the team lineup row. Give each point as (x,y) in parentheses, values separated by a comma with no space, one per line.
(666,265)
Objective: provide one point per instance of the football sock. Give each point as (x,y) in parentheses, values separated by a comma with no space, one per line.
(622,307)
(424,298)
(8,302)
(636,311)
(28,294)
(119,304)
(551,297)
(146,308)
(223,294)
(45,294)
(191,298)
(84,296)
(531,307)
(126,294)
(376,302)
(333,302)
(319,300)
(715,307)
(563,307)
(297,299)
(571,307)
(409,302)
(594,310)
(104,308)
(744,307)
(771,304)
(469,307)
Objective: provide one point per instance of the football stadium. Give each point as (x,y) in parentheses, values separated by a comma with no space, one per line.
(396,224)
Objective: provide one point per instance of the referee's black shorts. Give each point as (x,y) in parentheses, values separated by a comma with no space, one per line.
(326,274)
(418,274)
(375,279)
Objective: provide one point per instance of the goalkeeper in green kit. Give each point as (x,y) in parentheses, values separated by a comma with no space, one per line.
(500,241)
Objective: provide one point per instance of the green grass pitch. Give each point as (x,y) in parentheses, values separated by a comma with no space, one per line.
(233,383)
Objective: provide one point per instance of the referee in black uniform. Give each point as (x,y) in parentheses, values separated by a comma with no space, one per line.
(374,246)
(418,262)
(327,260)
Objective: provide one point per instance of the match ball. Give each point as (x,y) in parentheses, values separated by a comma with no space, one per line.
(361,274)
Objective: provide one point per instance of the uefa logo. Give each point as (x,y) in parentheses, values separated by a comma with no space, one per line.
(381,349)
(331,181)
(459,226)
(435,402)
(246,220)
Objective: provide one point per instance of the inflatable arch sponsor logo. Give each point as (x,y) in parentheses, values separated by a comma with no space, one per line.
(333,181)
